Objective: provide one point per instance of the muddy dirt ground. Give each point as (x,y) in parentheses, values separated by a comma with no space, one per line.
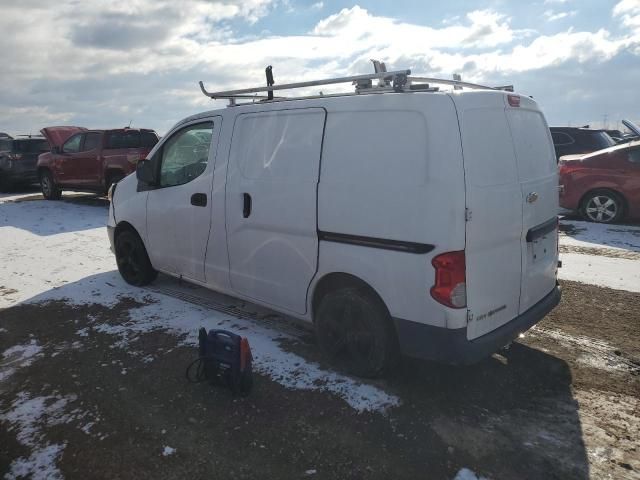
(561,403)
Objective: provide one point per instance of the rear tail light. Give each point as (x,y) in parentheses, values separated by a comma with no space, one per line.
(514,100)
(450,287)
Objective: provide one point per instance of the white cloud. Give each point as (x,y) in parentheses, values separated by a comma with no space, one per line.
(629,12)
(482,28)
(317,6)
(103,63)
(553,16)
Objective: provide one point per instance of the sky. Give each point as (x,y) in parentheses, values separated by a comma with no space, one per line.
(104,64)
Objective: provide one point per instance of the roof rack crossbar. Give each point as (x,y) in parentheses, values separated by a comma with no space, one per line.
(312,83)
(458,83)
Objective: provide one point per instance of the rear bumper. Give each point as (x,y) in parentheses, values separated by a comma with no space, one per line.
(18,171)
(452,346)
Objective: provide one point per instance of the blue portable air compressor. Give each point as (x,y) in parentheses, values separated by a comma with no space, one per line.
(225,359)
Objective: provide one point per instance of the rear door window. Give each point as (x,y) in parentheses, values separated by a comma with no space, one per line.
(561,138)
(124,139)
(92,141)
(148,139)
(597,141)
(132,139)
(534,152)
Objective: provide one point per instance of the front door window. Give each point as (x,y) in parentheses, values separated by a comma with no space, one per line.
(185,154)
(73,144)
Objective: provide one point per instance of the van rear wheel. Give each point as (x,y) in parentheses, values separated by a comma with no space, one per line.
(354,330)
(132,259)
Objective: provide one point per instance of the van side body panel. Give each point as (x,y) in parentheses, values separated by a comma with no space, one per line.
(392,169)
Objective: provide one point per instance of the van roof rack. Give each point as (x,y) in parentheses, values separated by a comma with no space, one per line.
(394,81)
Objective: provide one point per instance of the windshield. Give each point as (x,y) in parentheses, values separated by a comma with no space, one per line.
(603,140)
(30,146)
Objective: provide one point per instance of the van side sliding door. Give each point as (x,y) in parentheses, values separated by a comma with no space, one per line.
(271,197)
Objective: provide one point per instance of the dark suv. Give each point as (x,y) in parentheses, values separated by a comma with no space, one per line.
(18,159)
(575,140)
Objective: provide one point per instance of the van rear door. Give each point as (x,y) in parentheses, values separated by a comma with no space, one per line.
(538,177)
(494,213)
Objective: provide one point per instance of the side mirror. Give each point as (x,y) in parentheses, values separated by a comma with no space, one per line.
(56,149)
(145,172)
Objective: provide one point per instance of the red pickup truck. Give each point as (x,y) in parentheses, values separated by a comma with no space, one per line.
(82,159)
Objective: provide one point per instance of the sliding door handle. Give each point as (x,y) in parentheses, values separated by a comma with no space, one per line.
(246,207)
(199,199)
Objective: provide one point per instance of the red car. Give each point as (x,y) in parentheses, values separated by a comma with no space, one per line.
(82,159)
(604,186)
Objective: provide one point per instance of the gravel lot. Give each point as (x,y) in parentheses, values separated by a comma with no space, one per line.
(92,376)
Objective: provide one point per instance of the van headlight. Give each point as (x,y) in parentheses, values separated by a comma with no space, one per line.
(111,191)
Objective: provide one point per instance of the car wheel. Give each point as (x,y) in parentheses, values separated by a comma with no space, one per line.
(132,259)
(50,190)
(602,206)
(354,330)
(5,184)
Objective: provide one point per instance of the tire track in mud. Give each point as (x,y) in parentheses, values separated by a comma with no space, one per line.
(602,252)
(596,353)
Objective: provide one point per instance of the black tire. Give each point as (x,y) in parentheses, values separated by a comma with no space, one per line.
(132,259)
(602,206)
(355,331)
(50,190)
(6,185)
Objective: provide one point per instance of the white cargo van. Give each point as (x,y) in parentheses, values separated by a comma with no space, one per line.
(399,218)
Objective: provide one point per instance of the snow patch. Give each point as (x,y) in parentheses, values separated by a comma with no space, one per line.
(598,235)
(18,356)
(168,451)
(594,353)
(617,273)
(29,416)
(83,332)
(466,474)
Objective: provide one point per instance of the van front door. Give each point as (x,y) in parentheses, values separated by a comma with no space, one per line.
(179,209)
(271,190)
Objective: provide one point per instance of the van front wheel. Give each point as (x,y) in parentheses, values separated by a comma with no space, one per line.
(132,259)
(354,329)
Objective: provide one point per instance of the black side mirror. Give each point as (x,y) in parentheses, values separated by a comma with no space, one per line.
(145,172)
(56,149)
